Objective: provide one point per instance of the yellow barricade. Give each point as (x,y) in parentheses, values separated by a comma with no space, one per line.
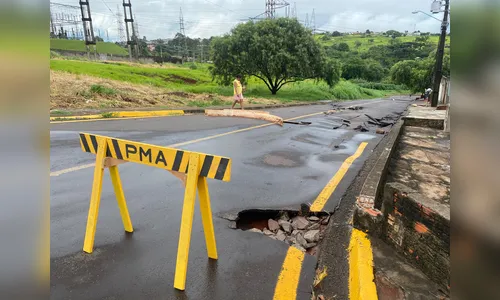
(191,167)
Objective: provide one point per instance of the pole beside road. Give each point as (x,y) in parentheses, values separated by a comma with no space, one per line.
(438,68)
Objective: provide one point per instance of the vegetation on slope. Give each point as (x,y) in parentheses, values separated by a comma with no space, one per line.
(75,45)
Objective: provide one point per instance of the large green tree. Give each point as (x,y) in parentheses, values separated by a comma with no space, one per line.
(277,51)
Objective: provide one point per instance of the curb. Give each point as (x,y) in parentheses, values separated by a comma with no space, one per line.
(361,276)
(122,114)
(367,215)
(172,112)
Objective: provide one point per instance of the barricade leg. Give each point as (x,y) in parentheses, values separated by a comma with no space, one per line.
(120,198)
(186,222)
(95,199)
(206,217)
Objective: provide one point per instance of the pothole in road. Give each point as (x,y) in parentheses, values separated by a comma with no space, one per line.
(301,230)
(283,159)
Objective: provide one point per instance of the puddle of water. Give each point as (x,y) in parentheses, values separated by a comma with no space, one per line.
(362,137)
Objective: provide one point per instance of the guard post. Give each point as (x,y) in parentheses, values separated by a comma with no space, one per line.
(191,167)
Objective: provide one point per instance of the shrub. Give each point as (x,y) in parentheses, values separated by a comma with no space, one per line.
(102,90)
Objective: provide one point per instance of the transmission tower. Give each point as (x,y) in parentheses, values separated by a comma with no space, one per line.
(306,23)
(272,5)
(313,22)
(121,30)
(294,11)
(88,28)
(183,33)
(129,26)
(63,19)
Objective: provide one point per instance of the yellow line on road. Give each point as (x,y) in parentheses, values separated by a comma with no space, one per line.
(361,278)
(288,280)
(325,194)
(105,119)
(81,167)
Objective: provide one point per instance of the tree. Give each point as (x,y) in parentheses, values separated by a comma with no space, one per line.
(353,67)
(415,74)
(401,72)
(393,33)
(99,39)
(332,71)
(368,31)
(373,72)
(358,44)
(325,37)
(277,51)
(336,33)
(371,41)
(343,47)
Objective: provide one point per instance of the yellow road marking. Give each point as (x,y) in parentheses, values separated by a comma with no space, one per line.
(106,119)
(122,114)
(325,194)
(361,278)
(288,280)
(81,167)
(72,169)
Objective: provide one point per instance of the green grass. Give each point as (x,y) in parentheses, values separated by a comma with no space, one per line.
(108,115)
(378,40)
(199,80)
(102,90)
(75,45)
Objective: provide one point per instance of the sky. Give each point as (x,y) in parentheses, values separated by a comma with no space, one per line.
(205,18)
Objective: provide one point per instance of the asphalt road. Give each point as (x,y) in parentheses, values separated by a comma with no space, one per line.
(273,167)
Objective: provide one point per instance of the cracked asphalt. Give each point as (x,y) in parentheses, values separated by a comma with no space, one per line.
(273,167)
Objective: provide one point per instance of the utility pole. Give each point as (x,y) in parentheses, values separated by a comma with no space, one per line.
(88,27)
(438,68)
(129,26)
(183,33)
(136,36)
(201,50)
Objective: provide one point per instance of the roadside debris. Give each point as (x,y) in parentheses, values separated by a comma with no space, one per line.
(380,131)
(362,128)
(320,275)
(297,123)
(260,115)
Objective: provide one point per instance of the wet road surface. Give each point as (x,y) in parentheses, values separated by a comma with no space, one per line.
(273,167)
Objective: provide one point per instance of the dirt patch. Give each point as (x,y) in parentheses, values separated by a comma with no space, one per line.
(71,91)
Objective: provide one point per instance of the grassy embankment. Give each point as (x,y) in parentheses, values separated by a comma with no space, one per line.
(82,84)
(366,43)
(75,45)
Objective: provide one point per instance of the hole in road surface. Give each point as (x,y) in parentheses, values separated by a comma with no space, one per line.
(302,230)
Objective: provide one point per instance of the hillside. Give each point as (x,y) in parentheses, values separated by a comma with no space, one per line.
(86,84)
(75,45)
(367,41)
